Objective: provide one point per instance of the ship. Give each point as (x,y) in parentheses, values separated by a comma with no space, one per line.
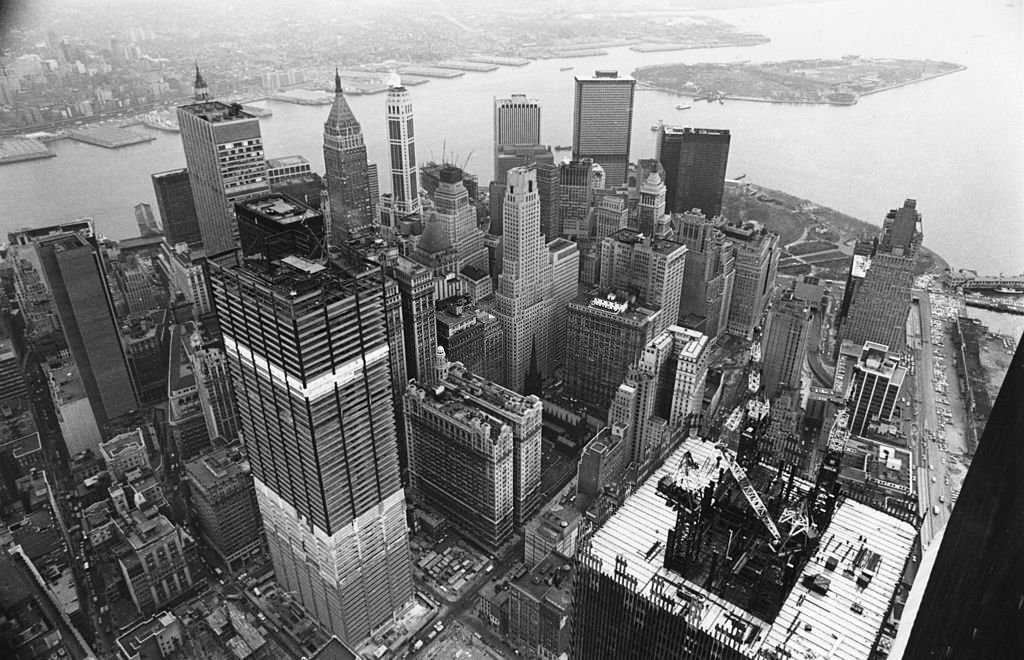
(567,68)
(682,106)
(842,98)
(1008,289)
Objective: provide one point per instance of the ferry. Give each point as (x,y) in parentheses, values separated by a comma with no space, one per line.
(1008,289)
(567,68)
(682,106)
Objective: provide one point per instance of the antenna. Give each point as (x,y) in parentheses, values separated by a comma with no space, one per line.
(467,160)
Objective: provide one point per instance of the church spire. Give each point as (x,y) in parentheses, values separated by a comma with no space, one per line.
(200,92)
(534,383)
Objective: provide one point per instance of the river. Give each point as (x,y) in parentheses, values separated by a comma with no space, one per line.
(953,143)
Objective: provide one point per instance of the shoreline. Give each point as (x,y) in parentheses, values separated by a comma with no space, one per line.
(759,99)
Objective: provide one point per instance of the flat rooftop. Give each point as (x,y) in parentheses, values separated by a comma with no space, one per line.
(658,245)
(686,130)
(608,302)
(450,400)
(693,342)
(826,626)
(225,463)
(286,161)
(216,111)
(278,209)
(499,398)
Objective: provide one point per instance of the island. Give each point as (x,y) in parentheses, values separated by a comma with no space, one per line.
(838,81)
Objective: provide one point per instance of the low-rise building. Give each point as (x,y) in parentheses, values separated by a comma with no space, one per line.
(158,637)
(124,452)
(156,565)
(540,607)
(554,530)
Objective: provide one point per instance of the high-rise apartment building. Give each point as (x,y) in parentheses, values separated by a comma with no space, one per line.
(177,209)
(308,351)
(405,178)
(756,253)
(516,133)
(461,458)
(347,175)
(603,122)
(525,277)
(222,496)
(452,203)
(224,153)
(875,387)
(694,160)
(710,274)
(785,344)
(647,267)
(605,335)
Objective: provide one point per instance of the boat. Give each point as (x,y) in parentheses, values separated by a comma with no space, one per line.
(682,106)
(567,68)
(1007,289)
(562,147)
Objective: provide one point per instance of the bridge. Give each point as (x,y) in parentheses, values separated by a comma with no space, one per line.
(974,282)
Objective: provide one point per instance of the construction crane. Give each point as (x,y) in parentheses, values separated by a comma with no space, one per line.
(839,434)
(755,352)
(755,501)
(754,381)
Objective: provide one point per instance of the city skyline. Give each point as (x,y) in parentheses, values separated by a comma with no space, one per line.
(607,405)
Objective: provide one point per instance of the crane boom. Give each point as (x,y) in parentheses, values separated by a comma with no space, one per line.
(755,501)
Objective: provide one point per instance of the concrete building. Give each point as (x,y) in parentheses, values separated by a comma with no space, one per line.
(185,275)
(756,261)
(539,609)
(602,463)
(12,378)
(416,288)
(650,268)
(186,423)
(604,336)
(157,564)
(695,160)
(461,459)
(603,122)
(564,266)
(525,278)
(315,335)
(575,199)
(875,387)
(452,203)
(161,636)
(348,173)
(405,183)
(124,452)
(555,530)
(287,167)
(785,344)
(223,498)
(224,152)
(470,335)
(213,381)
(177,209)
(651,219)
(710,274)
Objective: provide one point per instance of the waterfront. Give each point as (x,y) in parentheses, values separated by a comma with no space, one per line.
(946,141)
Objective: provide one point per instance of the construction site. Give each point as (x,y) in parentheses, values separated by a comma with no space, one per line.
(721,553)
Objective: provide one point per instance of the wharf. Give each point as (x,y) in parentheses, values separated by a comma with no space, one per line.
(982,302)
(431,71)
(501,61)
(16,150)
(465,65)
(109,137)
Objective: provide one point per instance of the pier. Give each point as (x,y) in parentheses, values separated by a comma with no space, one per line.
(109,137)
(16,150)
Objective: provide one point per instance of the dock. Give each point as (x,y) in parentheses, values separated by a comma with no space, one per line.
(19,149)
(465,65)
(109,137)
(431,72)
(501,61)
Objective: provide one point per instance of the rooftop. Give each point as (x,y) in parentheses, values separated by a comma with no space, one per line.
(334,649)
(215,111)
(212,468)
(286,161)
(693,342)
(610,303)
(841,623)
(137,635)
(550,580)
(681,130)
(500,399)
(657,245)
(451,400)
(278,209)
(129,441)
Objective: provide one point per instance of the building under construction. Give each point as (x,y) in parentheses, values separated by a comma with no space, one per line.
(718,557)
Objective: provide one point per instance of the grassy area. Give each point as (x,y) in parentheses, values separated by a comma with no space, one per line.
(810,246)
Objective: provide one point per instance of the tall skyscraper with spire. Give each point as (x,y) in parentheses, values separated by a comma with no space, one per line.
(521,285)
(405,178)
(308,350)
(224,152)
(348,183)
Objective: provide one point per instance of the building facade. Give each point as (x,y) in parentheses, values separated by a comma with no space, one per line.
(177,209)
(756,263)
(694,160)
(650,268)
(516,128)
(405,178)
(603,122)
(347,175)
(785,344)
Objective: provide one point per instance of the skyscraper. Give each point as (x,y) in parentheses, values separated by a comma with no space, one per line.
(224,153)
(405,177)
(308,351)
(695,160)
(875,387)
(756,261)
(520,297)
(710,274)
(177,208)
(651,218)
(564,268)
(646,267)
(785,344)
(575,196)
(516,132)
(603,121)
(347,176)
(416,287)
(452,202)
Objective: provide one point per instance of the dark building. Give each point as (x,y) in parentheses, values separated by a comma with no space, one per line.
(348,182)
(276,226)
(971,604)
(74,269)
(694,160)
(177,208)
